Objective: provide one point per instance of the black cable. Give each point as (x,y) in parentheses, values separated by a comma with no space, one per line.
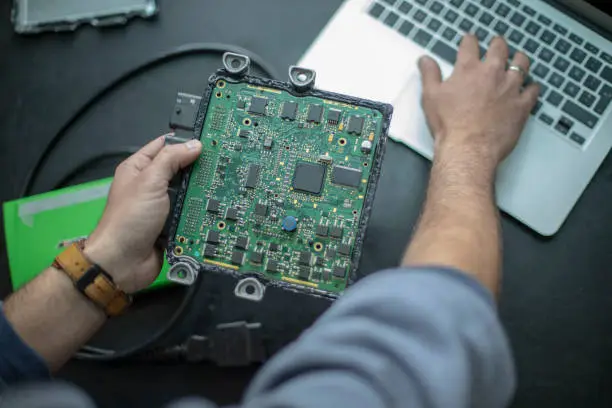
(182,51)
(95,353)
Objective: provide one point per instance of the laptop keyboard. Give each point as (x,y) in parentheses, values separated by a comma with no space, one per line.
(575,76)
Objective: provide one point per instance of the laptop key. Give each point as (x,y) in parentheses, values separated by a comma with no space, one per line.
(560,29)
(546,119)
(580,114)
(536,108)
(577,73)
(487,3)
(548,37)
(502,10)
(456,3)
(390,2)
(436,7)
(591,48)
(501,28)
(564,125)
(518,19)
(376,10)
(606,57)
(576,39)
(444,51)
(556,80)
(561,64)
(531,46)
(563,46)
(543,89)
(434,25)
(515,3)
(420,16)
(391,19)
(571,89)
(481,34)
(451,16)
(606,74)
(592,83)
(541,71)
(554,98)
(533,28)
(471,10)
(466,25)
(405,7)
(575,137)
(516,37)
(587,99)
(405,28)
(486,18)
(422,38)
(421,2)
(449,33)
(605,99)
(593,65)
(546,55)
(578,55)
(529,11)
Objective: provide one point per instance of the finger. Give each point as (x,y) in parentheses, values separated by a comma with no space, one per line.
(173,158)
(468,50)
(498,52)
(431,75)
(530,94)
(142,158)
(522,61)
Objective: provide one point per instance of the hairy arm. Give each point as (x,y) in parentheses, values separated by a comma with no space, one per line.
(476,118)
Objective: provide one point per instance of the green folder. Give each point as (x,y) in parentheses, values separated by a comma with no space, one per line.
(39,227)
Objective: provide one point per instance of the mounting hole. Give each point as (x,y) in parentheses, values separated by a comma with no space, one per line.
(342,141)
(221,225)
(178,250)
(181,240)
(221,84)
(235,63)
(287,148)
(182,272)
(354,212)
(246,122)
(214,142)
(318,246)
(255,124)
(365,164)
(219,94)
(302,77)
(250,289)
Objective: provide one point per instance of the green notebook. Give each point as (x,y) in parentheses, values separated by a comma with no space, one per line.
(38,228)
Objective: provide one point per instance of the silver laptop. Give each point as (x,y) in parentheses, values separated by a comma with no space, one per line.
(370,49)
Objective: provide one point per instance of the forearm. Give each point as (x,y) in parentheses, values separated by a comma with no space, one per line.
(459,226)
(52,317)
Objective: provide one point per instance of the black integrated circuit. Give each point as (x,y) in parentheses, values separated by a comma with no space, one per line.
(308,177)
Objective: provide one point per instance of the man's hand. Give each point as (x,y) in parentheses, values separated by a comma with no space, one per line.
(482,107)
(137,208)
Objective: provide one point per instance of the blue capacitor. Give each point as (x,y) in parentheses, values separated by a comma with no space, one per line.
(289,223)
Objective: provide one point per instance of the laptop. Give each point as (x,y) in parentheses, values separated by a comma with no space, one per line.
(370,49)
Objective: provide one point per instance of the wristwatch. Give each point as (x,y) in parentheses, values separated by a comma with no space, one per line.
(91,280)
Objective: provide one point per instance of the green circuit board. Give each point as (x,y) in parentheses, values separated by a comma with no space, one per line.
(279,187)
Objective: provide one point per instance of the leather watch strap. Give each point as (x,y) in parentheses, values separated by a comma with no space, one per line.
(91,280)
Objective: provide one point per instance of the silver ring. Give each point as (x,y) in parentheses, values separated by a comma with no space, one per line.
(517,69)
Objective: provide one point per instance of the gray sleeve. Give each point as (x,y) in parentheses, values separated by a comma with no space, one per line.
(423,337)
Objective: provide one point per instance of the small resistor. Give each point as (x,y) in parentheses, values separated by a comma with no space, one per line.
(371,137)
(341,126)
(330,138)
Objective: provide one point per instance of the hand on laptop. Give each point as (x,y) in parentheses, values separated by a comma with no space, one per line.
(482,108)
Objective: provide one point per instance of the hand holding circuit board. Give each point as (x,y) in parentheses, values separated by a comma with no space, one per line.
(282,187)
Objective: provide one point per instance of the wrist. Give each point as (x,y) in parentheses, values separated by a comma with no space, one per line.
(105,255)
(454,151)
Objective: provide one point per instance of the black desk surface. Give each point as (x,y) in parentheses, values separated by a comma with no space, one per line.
(557,298)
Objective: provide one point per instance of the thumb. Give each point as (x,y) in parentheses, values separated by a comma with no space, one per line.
(431,75)
(173,158)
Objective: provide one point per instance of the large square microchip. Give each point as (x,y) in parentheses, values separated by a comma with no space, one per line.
(308,177)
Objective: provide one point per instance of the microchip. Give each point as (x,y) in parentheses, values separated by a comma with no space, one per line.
(355,125)
(273,246)
(258,105)
(289,110)
(304,272)
(339,271)
(335,232)
(308,177)
(326,275)
(252,176)
(213,205)
(333,116)
(346,176)
(210,251)
(322,230)
(272,265)
(244,133)
(305,258)
(344,249)
(238,147)
(231,214)
(241,104)
(212,237)
(242,242)
(256,257)
(261,210)
(237,257)
(319,261)
(268,143)
(330,253)
(314,113)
